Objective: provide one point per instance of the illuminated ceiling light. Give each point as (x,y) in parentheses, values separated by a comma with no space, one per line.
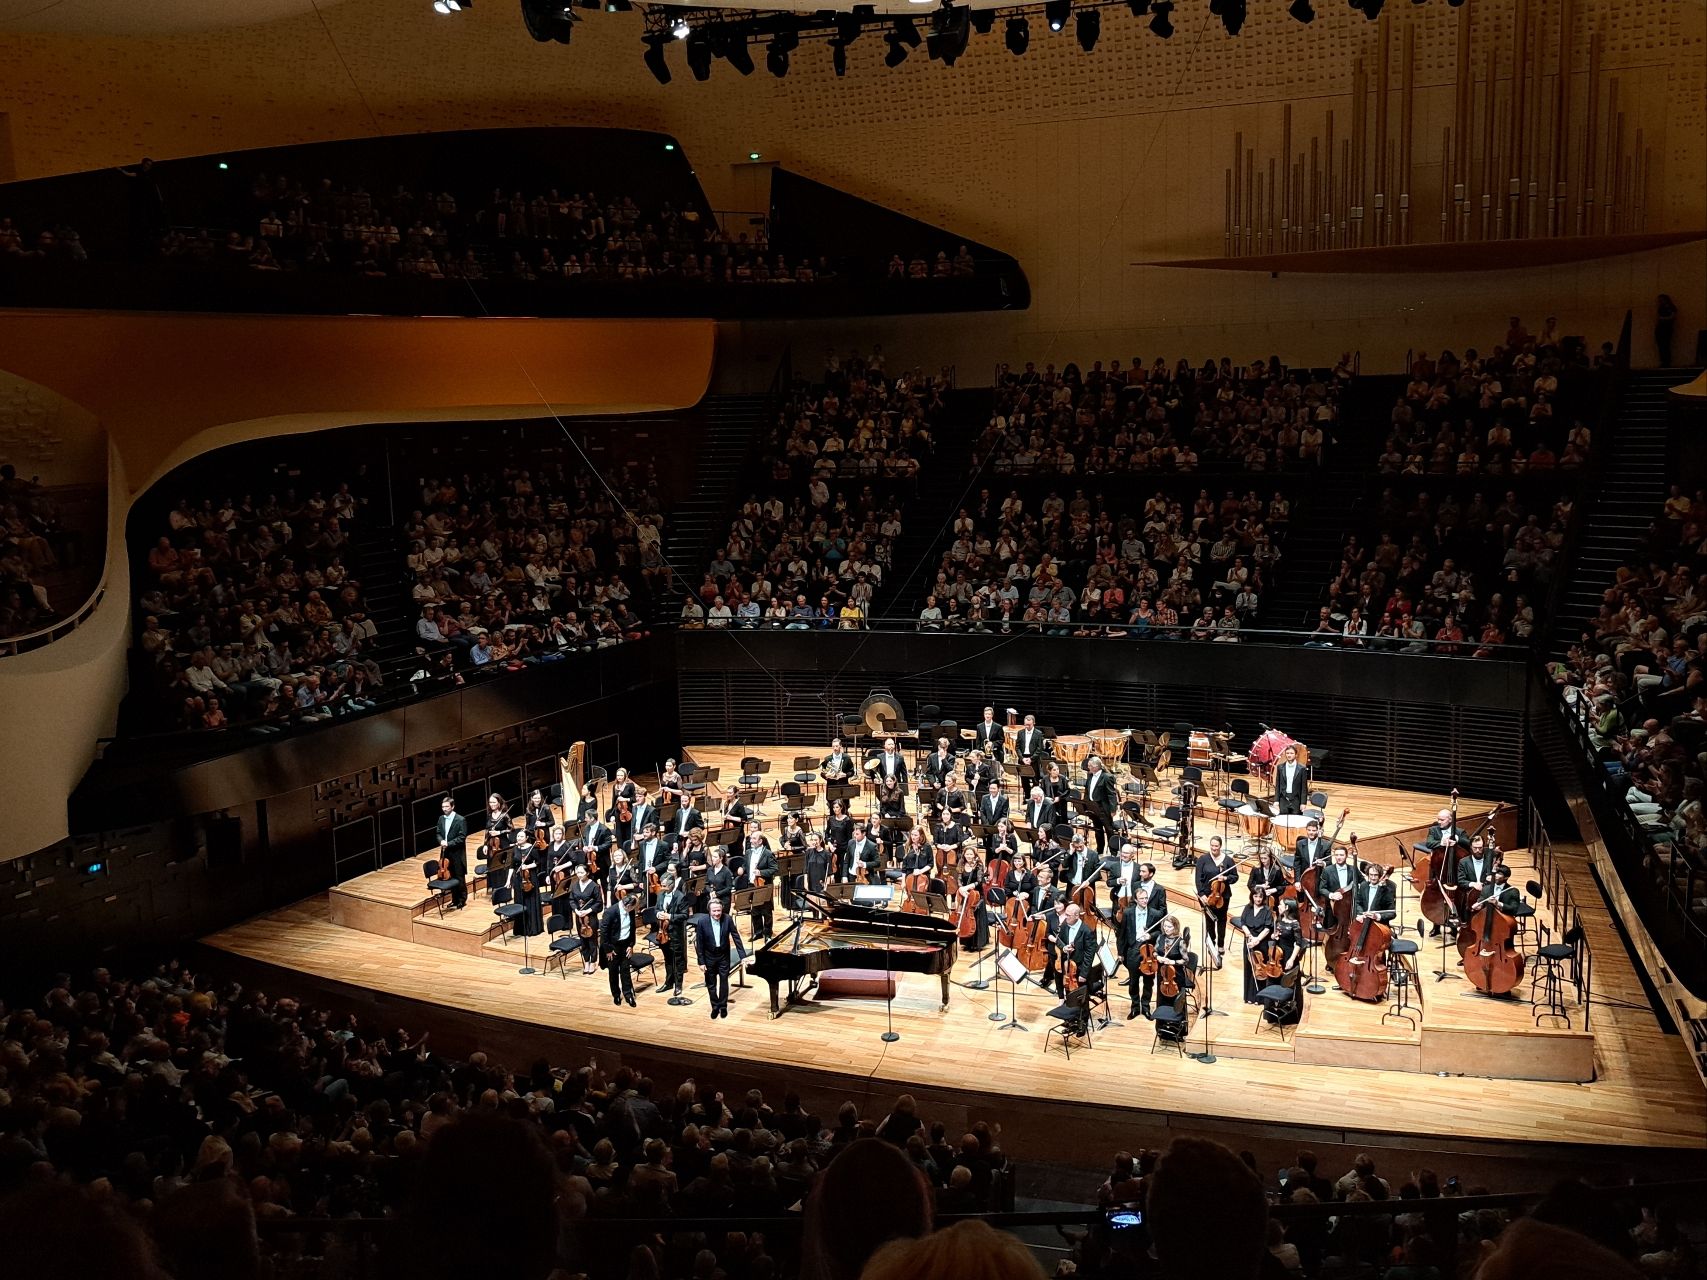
(618,6)
(1017,36)
(681,30)
(752,155)
(1088,27)
(1056,13)
(441,6)
(1161,20)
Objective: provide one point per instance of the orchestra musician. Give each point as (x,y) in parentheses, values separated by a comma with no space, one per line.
(453,847)
(652,853)
(819,856)
(539,814)
(719,880)
(1080,863)
(596,840)
(838,766)
(1019,883)
(1122,877)
(525,892)
(951,833)
(838,827)
(671,787)
(992,806)
(988,736)
(1039,814)
(588,803)
(1310,848)
(1172,953)
(623,797)
(892,765)
(758,869)
(1291,783)
(691,858)
(1290,943)
(497,814)
(939,765)
(1029,748)
(1445,832)
(1100,799)
(586,903)
(1055,785)
(620,874)
(1075,940)
(982,773)
(1372,899)
(1002,842)
(792,837)
(673,910)
(859,853)
(687,819)
(1337,879)
(1267,874)
(617,932)
(1475,872)
(560,857)
(714,933)
(1217,864)
(1139,920)
(971,876)
(1256,925)
(643,814)
(1499,891)
(737,813)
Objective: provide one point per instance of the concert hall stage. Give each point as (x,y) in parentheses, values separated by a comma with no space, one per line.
(1472,1075)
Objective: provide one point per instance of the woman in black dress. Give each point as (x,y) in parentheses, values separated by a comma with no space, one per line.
(1268,875)
(586,905)
(526,879)
(1256,923)
(1173,956)
(838,827)
(1054,785)
(1002,843)
(1290,944)
(539,817)
(497,814)
(971,877)
(817,862)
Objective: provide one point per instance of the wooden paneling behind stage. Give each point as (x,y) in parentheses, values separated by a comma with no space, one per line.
(1644,1092)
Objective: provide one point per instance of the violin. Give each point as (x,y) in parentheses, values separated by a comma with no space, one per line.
(527,877)
(624,810)
(584,923)
(1268,963)
(1168,983)
(444,867)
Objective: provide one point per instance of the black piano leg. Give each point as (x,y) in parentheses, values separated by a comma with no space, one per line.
(945,989)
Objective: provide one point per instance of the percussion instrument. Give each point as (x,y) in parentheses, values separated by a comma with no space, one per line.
(1266,751)
(1198,749)
(1255,825)
(1110,744)
(1010,734)
(1289,826)
(879,710)
(1073,748)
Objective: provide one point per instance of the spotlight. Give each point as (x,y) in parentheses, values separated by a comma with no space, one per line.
(848,28)
(1139,7)
(1017,36)
(1161,20)
(1231,13)
(546,20)
(1056,12)
(906,29)
(618,6)
(983,20)
(776,58)
(654,57)
(752,155)
(1370,9)
(897,51)
(839,56)
(441,6)
(1088,27)
(699,53)
(732,47)
(681,30)
(950,31)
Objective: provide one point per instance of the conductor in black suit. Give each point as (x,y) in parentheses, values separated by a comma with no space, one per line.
(453,844)
(1291,783)
(714,933)
(616,934)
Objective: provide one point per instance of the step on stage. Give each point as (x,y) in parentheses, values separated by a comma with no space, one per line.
(1463,1067)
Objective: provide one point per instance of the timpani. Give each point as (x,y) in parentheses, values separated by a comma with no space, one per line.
(1110,744)
(1073,748)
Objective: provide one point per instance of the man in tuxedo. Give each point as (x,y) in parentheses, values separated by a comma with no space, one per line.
(1309,849)
(859,852)
(758,867)
(686,819)
(674,911)
(1337,880)
(1123,875)
(1028,749)
(993,807)
(1144,915)
(987,735)
(714,933)
(1291,783)
(1372,899)
(1445,831)
(645,813)
(1040,814)
(1076,941)
(453,844)
(651,852)
(939,765)
(616,933)
(838,765)
(596,840)
(1100,799)
(892,764)
(1475,872)
(1080,863)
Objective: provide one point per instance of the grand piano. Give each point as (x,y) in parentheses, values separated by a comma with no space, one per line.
(854,937)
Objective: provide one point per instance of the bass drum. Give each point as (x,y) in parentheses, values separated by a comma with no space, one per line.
(1266,751)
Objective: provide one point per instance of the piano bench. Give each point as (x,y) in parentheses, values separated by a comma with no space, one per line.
(864,984)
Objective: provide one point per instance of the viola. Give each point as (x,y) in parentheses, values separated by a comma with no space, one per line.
(527,877)
(1268,963)
(1070,979)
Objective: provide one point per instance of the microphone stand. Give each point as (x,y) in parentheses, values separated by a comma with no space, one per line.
(1207,1057)
(890,1036)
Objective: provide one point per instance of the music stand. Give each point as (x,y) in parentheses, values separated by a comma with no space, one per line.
(1211,962)
(835,791)
(877,898)
(1009,967)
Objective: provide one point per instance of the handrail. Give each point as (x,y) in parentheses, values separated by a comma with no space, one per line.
(12,646)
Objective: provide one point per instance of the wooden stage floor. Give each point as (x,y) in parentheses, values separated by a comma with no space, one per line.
(1463,1077)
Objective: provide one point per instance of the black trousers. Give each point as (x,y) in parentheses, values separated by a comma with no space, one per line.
(717,981)
(1215,923)
(620,971)
(1141,985)
(761,919)
(676,957)
(459,873)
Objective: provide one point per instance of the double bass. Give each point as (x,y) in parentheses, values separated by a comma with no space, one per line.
(1335,925)
(1302,888)
(1361,970)
(1430,873)
(1488,947)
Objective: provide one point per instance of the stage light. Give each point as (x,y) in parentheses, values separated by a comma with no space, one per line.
(1056,12)
(776,60)
(1231,13)
(907,30)
(950,30)
(983,20)
(1088,27)
(848,28)
(669,146)
(1017,36)
(1161,21)
(1370,9)
(224,165)
(752,155)
(1139,7)
(897,51)
(441,6)
(547,20)
(681,30)
(654,57)
(733,48)
(618,6)
(1301,11)
(699,53)
(839,57)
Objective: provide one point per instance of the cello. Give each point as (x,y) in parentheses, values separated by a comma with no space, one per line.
(1492,962)
(1361,970)
(971,898)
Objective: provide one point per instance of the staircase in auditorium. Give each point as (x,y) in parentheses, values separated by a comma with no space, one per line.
(379,551)
(946,484)
(729,425)
(1326,508)
(1615,527)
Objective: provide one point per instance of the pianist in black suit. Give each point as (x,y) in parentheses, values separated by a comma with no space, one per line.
(714,934)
